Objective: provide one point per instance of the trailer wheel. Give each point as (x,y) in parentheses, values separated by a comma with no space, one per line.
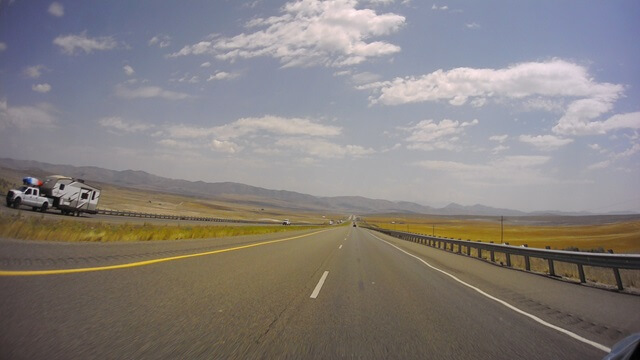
(44,207)
(16,203)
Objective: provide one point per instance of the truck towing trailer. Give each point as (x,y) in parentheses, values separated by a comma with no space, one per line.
(69,195)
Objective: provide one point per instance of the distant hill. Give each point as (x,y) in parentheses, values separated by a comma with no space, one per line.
(248,194)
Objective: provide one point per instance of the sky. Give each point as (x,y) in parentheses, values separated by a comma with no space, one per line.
(528,105)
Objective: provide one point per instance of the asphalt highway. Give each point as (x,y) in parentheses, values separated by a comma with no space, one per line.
(338,293)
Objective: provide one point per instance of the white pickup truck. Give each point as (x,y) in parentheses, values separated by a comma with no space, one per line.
(28,196)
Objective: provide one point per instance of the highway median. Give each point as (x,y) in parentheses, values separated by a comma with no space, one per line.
(16,226)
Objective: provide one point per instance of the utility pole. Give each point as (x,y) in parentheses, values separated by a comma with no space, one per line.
(502,229)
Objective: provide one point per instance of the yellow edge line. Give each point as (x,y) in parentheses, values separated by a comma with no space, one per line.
(143,263)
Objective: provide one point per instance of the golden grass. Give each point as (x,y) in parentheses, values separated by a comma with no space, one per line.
(621,237)
(40,228)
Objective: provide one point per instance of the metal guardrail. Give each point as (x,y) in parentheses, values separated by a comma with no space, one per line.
(580,259)
(180,217)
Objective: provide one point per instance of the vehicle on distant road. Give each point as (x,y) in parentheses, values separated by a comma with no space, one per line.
(354,224)
(69,195)
(286,222)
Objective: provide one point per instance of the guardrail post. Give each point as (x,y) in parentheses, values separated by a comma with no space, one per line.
(459,248)
(527,262)
(493,259)
(508,257)
(616,273)
(468,250)
(552,270)
(479,253)
(581,274)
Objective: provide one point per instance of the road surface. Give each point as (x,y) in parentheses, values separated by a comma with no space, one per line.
(338,293)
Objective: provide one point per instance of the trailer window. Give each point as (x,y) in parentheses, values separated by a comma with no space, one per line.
(61,186)
(84,196)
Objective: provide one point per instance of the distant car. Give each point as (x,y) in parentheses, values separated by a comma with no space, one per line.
(286,222)
(354,224)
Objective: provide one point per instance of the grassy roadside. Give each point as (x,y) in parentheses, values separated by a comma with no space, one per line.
(16,226)
(621,237)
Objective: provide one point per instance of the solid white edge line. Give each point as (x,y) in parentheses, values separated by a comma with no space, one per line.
(531,316)
(316,291)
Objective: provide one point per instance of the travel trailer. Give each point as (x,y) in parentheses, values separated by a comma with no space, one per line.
(71,195)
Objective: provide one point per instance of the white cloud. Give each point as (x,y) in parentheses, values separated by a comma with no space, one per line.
(550,79)
(595,147)
(147,92)
(268,124)
(41,88)
(538,85)
(180,145)
(205,64)
(71,44)
(190,79)
(225,146)
(440,8)
(277,125)
(34,71)
(472,26)
(251,4)
(321,148)
(267,135)
(499,138)
(430,135)
(512,170)
(599,165)
(222,75)
(128,70)
(364,78)
(549,105)
(308,33)
(119,124)
(3,46)
(161,41)
(615,157)
(498,149)
(545,142)
(56,9)
(576,120)
(27,117)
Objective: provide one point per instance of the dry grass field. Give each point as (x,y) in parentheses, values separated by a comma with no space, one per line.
(18,226)
(621,236)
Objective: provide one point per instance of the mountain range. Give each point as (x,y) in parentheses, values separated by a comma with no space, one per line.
(248,194)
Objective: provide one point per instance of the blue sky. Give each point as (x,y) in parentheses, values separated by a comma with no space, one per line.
(531,105)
